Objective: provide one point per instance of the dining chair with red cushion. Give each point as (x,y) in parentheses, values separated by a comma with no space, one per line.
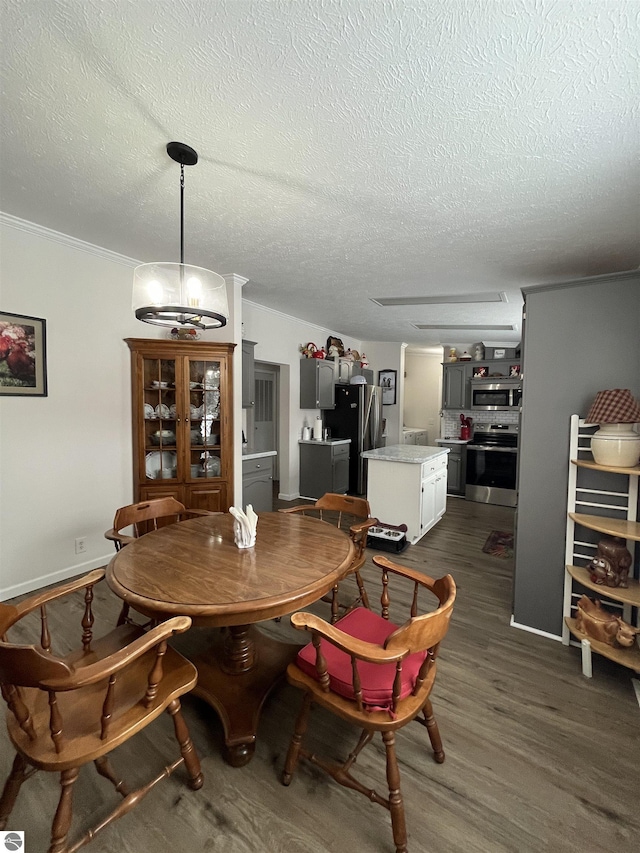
(376,674)
(352,515)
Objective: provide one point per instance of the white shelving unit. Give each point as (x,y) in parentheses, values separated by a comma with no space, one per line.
(598,506)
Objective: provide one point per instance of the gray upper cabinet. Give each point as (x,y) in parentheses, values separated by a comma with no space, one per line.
(456,385)
(455,394)
(317,383)
(248,375)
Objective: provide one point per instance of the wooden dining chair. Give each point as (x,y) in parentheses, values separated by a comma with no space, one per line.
(354,516)
(143,517)
(148,515)
(67,710)
(375,674)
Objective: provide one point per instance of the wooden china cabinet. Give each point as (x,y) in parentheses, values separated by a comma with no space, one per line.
(182,416)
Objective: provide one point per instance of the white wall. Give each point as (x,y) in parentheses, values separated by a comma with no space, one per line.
(66,459)
(389,356)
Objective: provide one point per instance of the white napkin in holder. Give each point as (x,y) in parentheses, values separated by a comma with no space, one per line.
(244,526)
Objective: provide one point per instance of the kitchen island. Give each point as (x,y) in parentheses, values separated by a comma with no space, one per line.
(407,484)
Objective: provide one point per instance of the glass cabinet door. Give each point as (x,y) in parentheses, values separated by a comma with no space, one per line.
(160,416)
(204,419)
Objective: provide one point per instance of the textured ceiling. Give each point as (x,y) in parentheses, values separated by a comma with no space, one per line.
(349,149)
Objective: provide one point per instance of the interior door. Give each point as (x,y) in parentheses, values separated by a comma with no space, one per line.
(265,412)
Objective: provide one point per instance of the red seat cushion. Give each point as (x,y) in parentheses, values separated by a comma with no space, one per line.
(376,679)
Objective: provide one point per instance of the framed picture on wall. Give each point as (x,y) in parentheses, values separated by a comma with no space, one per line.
(23,355)
(387,381)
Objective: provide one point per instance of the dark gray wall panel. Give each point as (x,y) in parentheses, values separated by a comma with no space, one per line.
(580,337)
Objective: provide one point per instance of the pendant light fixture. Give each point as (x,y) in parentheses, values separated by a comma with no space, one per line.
(170,294)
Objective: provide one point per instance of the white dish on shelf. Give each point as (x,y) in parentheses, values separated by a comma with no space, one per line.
(159,462)
(149,412)
(162,411)
(157,384)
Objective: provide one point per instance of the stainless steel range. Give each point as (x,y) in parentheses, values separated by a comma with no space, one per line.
(492,462)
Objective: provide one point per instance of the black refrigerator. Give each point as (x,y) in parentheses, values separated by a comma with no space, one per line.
(358,416)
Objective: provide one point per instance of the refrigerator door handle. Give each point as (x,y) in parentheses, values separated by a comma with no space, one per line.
(376,418)
(366,430)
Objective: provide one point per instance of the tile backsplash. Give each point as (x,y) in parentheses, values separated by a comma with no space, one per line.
(450,422)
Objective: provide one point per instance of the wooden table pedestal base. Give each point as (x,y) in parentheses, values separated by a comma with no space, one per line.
(235,675)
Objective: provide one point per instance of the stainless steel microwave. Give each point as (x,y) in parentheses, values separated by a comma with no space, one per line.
(496,395)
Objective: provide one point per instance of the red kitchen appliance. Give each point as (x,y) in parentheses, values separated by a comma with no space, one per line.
(465,428)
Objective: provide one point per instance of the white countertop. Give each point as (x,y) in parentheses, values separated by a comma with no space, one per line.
(412,453)
(260,455)
(324,441)
(453,440)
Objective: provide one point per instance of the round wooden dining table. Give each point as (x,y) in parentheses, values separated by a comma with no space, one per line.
(194,569)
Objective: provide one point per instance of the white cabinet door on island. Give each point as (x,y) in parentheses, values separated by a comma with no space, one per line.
(407,484)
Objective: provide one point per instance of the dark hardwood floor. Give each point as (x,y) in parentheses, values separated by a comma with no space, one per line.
(539,758)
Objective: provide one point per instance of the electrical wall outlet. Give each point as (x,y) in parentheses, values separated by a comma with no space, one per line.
(81,544)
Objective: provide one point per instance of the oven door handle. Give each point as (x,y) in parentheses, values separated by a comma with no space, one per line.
(492,448)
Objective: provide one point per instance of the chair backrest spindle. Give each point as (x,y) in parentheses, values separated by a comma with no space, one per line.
(357,683)
(321,665)
(45,636)
(87,620)
(384,598)
(55,722)
(13,697)
(155,676)
(107,707)
(414,600)
(397,686)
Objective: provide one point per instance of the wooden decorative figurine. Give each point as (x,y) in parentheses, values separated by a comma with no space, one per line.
(611,564)
(599,624)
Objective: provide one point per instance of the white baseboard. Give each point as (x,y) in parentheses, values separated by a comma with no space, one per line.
(58,576)
(534,630)
(283,497)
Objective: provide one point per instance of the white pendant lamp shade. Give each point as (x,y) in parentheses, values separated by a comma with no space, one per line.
(167,294)
(172,294)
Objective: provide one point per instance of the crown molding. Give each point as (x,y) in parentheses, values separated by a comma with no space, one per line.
(297,319)
(65,240)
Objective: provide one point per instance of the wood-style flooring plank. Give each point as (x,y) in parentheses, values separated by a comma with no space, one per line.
(539,758)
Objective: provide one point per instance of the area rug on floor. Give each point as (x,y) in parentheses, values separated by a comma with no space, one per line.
(499,544)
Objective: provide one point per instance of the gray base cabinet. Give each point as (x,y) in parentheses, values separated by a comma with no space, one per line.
(324,467)
(257,483)
(456,468)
